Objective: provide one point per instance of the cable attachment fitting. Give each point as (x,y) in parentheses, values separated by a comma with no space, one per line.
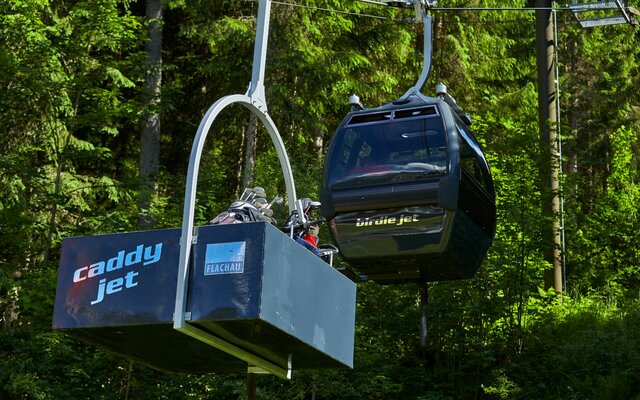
(399,3)
(422,6)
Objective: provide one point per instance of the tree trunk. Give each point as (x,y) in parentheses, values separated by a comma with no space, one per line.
(250,152)
(549,133)
(150,135)
(318,143)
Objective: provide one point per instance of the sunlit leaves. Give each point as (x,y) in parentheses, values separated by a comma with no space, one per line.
(69,106)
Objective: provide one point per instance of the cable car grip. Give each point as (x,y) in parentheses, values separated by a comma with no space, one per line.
(427,21)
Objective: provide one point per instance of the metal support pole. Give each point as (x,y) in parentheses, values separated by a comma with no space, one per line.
(424,299)
(256,87)
(427,21)
(254,100)
(252,385)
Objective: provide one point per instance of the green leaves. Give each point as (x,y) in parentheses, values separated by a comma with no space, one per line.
(70,103)
(61,91)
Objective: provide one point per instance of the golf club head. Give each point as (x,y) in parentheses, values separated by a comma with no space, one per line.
(308,204)
(276,199)
(260,202)
(259,192)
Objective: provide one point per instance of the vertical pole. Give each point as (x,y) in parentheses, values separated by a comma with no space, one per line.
(256,90)
(252,385)
(254,101)
(424,298)
(427,21)
(257,94)
(547,120)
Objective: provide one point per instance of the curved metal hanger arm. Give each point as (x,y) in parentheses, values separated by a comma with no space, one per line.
(255,101)
(427,22)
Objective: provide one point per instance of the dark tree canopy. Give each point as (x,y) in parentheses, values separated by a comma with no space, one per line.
(72,101)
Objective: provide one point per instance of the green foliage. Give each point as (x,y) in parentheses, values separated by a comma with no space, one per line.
(70,103)
(607,242)
(585,349)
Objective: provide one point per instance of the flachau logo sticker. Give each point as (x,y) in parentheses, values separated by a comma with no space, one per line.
(224,258)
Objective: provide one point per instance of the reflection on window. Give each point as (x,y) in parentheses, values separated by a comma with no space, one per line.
(389,152)
(471,159)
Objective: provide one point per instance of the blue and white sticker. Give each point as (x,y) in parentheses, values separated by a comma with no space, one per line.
(224,258)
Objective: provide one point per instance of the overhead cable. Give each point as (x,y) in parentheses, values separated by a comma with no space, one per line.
(345,12)
(382,3)
(436,9)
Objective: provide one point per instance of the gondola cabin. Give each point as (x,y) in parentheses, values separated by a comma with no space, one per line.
(408,193)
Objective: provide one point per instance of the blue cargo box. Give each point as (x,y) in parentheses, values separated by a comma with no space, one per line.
(249,285)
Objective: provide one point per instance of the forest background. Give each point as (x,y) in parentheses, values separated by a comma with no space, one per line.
(99,104)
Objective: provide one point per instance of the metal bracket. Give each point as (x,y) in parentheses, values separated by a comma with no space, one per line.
(254,369)
(229,348)
(255,101)
(623,17)
(424,5)
(421,6)
(256,87)
(427,21)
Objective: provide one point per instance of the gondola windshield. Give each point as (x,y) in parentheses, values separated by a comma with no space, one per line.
(393,150)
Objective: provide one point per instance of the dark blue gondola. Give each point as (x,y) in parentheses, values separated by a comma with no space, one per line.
(408,192)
